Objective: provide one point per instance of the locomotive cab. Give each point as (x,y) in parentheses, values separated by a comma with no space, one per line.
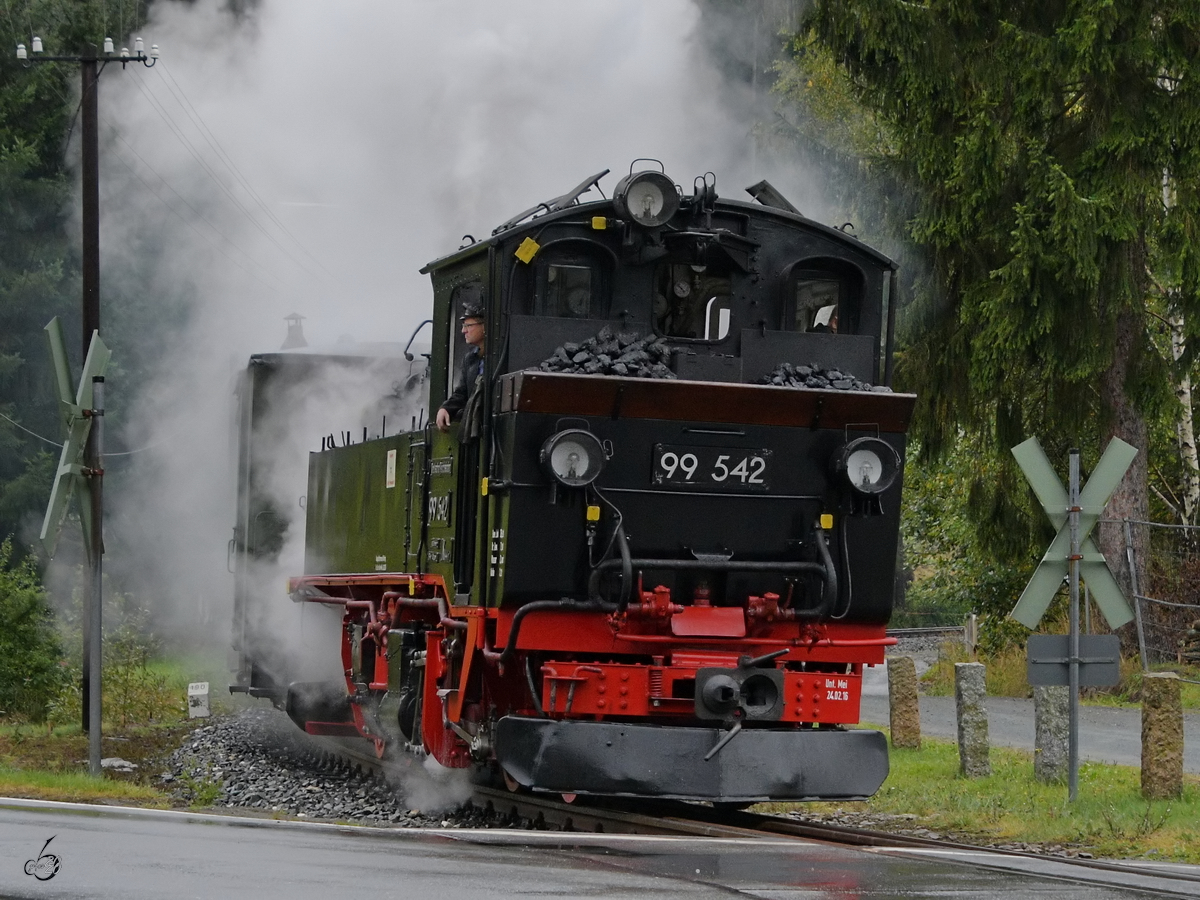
(661,558)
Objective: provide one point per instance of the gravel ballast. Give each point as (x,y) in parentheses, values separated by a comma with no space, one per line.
(258,761)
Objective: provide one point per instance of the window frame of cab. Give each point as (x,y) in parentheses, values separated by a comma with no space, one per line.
(852,281)
(573,252)
(448,345)
(459,296)
(672,262)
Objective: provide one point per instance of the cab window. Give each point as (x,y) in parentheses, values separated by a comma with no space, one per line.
(816,302)
(822,295)
(692,302)
(570,285)
(465,295)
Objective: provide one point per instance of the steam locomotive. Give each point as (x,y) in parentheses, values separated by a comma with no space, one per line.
(657,560)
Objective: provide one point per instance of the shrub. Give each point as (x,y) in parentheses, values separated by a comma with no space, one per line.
(133,692)
(30,654)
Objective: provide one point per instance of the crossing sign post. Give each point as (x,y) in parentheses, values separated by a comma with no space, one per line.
(83,415)
(1072,553)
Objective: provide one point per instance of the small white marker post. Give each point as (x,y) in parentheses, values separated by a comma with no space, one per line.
(198,707)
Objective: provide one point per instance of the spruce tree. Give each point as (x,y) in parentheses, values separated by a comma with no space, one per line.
(1052,153)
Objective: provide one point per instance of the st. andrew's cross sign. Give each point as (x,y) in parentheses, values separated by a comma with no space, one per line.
(1053,568)
(75,405)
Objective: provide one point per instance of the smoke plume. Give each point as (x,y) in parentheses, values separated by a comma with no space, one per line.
(310,157)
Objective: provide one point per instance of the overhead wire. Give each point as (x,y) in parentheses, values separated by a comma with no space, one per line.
(178,93)
(17,424)
(160,108)
(180,96)
(182,99)
(11,22)
(275,288)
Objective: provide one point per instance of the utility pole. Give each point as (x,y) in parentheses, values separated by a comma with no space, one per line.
(90,177)
(90,172)
(90,67)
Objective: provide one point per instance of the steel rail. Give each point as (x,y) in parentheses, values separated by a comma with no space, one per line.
(674,817)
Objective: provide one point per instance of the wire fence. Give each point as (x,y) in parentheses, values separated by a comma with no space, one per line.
(1166,591)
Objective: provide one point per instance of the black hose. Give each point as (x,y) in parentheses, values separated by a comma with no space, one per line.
(564,605)
(625,562)
(533,692)
(626,568)
(830,591)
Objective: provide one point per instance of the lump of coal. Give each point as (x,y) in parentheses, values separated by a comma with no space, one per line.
(628,354)
(813,377)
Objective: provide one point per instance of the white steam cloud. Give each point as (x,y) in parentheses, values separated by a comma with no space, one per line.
(368,137)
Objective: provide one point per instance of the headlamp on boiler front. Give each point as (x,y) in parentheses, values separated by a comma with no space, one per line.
(574,458)
(869,465)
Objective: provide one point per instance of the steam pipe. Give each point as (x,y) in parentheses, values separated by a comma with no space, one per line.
(444,618)
(564,605)
(368,605)
(760,642)
(718,565)
(825,568)
(416,602)
(438,603)
(537,701)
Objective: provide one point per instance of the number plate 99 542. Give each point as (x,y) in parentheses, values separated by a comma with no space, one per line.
(711,468)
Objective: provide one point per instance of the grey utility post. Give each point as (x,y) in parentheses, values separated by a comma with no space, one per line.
(83,415)
(95,646)
(1073,675)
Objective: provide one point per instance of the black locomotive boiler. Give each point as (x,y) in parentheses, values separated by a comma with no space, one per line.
(657,558)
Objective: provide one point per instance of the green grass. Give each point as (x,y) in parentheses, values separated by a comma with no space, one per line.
(77,787)
(1109,818)
(1005,675)
(181,670)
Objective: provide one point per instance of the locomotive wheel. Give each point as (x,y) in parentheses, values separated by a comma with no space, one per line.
(406,715)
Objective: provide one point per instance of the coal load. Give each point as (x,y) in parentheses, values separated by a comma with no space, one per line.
(814,377)
(626,353)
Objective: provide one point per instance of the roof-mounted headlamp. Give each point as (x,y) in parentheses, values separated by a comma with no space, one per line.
(648,199)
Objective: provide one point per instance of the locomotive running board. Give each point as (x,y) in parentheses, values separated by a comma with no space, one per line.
(622,759)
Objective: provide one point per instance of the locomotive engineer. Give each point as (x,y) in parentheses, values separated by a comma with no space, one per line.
(466,395)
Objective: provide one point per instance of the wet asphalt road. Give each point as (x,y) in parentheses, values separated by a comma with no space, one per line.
(1105,734)
(105,854)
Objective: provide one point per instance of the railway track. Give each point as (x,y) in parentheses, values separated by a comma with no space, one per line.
(616,816)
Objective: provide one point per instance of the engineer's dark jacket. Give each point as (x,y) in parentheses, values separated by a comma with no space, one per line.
(467,393)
